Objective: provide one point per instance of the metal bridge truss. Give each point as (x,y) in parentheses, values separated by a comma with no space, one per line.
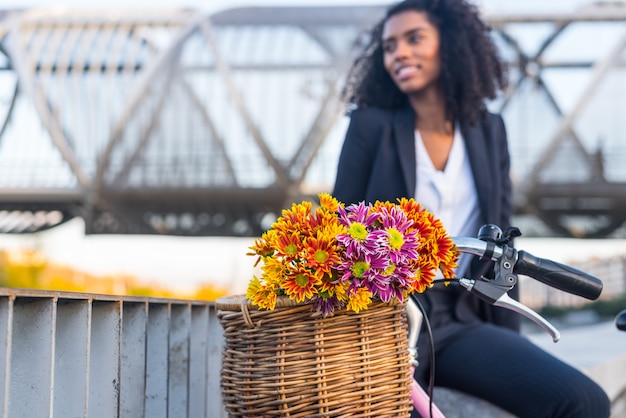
(173,122)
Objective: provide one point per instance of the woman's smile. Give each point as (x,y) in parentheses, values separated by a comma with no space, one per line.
(406,71)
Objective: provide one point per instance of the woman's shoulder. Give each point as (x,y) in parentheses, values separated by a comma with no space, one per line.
(372,114)
(370,124)
(493,123)
(491,117)
(494,129)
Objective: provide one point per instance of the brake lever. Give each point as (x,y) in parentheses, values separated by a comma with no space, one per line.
(492,290)
(511,304)
(495,291)
(497,295)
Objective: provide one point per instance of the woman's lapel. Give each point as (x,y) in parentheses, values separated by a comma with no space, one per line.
(484,173)
(404,135)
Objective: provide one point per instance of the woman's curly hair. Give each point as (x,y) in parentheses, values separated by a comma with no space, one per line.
(471,67)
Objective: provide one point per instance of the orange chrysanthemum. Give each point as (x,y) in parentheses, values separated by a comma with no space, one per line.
(328,202)
(264,246)
(298,218)
(321,254)
(300,283)
(289,245)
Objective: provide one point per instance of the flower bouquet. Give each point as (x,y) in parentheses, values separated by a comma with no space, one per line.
(323,331)
(337,256)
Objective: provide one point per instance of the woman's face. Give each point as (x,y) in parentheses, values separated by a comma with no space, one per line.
(411,51)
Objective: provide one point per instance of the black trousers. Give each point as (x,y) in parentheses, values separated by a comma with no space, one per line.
(503,367)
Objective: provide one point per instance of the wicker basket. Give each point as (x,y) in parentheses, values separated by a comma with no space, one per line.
(291,362)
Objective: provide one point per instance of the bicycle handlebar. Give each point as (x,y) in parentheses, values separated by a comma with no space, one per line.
(558,275)
(550,272)
(511,262)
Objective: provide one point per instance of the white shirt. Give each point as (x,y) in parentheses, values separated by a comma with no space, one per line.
(449,194)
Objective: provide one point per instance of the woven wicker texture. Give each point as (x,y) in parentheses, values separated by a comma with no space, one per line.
(291,362)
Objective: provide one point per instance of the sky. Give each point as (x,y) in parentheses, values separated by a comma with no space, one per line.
(185,262)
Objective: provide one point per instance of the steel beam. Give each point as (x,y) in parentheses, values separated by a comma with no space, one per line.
(116,45)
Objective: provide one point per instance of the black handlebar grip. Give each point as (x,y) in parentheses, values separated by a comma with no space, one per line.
(620,320)
(558,275)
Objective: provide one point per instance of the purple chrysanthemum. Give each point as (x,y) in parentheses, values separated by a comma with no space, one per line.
(390,292)
(326,305)
(401,245)
(379,250)
(362,266)
(361,237)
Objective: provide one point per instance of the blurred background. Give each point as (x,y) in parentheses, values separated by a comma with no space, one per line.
(144,145)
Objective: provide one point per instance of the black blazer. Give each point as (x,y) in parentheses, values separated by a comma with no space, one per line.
(377,162)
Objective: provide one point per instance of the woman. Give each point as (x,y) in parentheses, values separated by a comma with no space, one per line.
(419,128)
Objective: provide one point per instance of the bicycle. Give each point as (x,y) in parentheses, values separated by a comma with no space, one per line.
(620,321)
(493,244)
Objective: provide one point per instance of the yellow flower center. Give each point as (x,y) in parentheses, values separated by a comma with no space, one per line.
(396,239)
(358,231)
(291,249)
(302,279)
(320,256)
(389,270)
(359,268)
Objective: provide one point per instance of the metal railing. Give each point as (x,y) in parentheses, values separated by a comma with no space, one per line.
(85,355)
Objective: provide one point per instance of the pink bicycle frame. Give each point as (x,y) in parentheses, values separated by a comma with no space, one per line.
(421,400)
